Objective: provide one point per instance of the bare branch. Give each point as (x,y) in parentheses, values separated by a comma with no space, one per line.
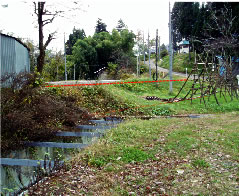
(49,39)
(47,21)
(35,7)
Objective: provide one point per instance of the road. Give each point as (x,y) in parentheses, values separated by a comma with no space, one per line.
(152,64)
(71,82)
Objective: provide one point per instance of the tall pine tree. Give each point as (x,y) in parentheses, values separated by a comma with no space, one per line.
(121,25)
(100,26)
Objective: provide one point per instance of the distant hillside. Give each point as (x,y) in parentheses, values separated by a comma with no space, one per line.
(180,62)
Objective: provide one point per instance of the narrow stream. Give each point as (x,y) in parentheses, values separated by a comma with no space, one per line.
(19,167)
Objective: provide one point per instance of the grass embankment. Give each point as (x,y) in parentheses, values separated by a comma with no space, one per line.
(139,157)
(136,93)
(154,157)
(35,113)
(163,156)
(129,99)
(29,114)
(180,62)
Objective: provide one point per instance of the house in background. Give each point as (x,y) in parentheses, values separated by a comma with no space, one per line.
(184,46)
(14,55)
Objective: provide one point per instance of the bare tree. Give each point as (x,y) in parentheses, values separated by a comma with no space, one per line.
(41,12)
(221,37)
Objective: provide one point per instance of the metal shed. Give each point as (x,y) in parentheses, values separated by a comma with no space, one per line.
(14,55)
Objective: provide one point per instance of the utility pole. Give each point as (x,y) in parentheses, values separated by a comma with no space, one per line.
(159,49)
(138,56)
(143,48)
(238,82)
(56,68)
(137,65)
(138,59)
(65,57)
(149,57)
(156,57)
(74,72)
(170,54)
(57,73)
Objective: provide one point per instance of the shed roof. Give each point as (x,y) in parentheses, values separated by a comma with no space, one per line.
(18,40)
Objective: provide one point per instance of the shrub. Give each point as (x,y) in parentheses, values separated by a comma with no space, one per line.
(31,113)
(163,53)
(112,70)
(144,69)
(125,76)
(23,80)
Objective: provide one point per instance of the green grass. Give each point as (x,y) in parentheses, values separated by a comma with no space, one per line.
(146,155)
(200,163)
(180,62)
(130,139)
(173,139)
(181,141)
(173,154)
(135,93)
(176,156)
(129,99)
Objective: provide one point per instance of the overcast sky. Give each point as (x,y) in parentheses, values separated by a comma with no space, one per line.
(145,15)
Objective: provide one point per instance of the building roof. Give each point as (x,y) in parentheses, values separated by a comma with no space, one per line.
(18,40)
(184,42)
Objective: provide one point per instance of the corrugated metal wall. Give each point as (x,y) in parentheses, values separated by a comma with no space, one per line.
(8,55)
(14,56)
(22,58)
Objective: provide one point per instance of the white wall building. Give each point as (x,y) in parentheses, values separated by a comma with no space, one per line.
(183,46)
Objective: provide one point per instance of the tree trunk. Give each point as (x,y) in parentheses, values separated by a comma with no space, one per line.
(41,57)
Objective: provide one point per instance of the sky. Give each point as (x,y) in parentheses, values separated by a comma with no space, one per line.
(146,15)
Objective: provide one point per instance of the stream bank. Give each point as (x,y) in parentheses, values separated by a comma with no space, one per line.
(27,166)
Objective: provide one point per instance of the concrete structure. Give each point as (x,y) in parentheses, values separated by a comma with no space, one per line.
(183,46)
(14,55)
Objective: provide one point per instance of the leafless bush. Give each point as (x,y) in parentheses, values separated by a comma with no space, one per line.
(34,113)
(17,81)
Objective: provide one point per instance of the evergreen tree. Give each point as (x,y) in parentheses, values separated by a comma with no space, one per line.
(100,26)
(121,25)
(215,24)
(73,37)
(184,19)
(163,47)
